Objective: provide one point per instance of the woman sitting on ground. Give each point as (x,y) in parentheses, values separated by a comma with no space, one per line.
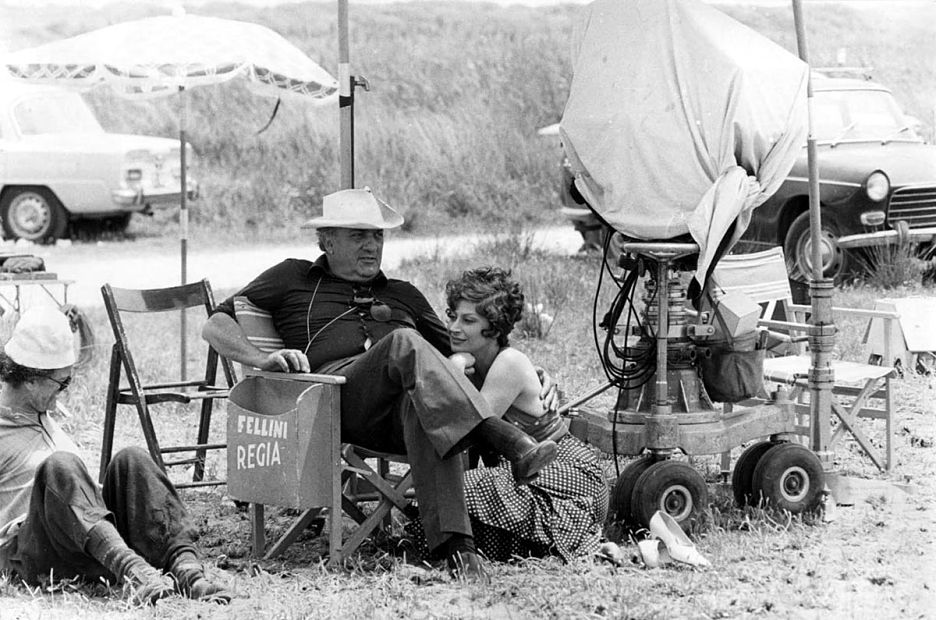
(562,510)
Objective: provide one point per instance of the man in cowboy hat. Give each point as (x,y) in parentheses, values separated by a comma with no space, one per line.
(55,521)
(342,315)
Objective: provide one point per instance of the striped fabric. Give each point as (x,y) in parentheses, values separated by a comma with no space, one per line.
(257,324)
(761,276)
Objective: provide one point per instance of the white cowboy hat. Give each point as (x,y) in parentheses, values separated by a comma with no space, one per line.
(42,339)
(355,208)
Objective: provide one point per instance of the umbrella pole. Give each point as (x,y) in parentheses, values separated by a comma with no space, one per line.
(345,101)
(822,328)
(183,225)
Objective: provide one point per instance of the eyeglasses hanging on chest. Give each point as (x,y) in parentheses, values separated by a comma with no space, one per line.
(365,302)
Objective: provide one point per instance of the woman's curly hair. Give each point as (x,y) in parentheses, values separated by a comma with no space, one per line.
(496,297)
(16,374)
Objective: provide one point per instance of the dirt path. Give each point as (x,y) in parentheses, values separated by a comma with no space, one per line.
(155,263)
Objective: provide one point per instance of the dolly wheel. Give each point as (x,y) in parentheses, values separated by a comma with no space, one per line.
(742,477)
(673,487)
(789,477)
(624,486)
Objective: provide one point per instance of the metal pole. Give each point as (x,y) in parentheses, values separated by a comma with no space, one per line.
(822,328)
(183,226)
(345,101)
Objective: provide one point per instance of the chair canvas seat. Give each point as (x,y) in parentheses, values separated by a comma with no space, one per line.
(795,368)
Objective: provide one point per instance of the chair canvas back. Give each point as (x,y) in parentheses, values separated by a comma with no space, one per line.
(762,276)
(258,325)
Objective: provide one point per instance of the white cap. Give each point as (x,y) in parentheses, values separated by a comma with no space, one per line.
(42,339)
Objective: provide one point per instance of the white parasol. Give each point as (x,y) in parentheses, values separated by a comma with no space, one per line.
(166,55)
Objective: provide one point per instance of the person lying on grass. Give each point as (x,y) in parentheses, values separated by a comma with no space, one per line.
(56,522)
(563,509)
(341,315)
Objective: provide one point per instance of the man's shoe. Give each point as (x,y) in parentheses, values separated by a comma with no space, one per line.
(193,583)
(467,566)
(528,466)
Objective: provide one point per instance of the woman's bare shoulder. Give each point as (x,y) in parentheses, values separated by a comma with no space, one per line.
(513,360)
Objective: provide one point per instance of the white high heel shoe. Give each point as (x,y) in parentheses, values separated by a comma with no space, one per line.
(680,548)
(653,553)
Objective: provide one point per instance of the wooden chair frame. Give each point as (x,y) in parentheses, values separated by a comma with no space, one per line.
(763,277)
(143,396)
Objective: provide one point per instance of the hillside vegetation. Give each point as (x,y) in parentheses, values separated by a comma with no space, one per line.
(448,130)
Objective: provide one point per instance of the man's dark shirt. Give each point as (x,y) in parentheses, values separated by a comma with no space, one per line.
(286,291)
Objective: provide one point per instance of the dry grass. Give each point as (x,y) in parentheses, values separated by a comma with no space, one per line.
(764,564)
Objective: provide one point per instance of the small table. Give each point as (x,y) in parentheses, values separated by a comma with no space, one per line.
(47,281)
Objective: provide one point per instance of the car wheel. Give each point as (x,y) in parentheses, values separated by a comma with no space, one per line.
(836,262)
(34,214)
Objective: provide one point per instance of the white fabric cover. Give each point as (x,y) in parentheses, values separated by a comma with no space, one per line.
(680,119)
(158,55)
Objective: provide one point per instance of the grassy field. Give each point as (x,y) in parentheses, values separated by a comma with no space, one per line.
(448,131)
(876,554)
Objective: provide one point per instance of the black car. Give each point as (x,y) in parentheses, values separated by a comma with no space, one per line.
(877,182)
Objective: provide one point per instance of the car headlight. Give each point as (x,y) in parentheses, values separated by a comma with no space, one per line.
(877,186)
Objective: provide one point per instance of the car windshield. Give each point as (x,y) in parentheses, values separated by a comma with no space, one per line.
(55,113)
(855,115)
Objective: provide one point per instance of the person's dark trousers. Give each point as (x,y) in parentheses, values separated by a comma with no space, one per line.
(403,396)
(66,503)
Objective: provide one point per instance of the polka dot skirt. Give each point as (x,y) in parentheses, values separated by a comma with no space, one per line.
(561,513)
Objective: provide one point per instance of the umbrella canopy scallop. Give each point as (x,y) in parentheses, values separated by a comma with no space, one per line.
(159,55)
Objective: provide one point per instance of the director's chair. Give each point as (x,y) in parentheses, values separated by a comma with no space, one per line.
(862,391)
(328,478)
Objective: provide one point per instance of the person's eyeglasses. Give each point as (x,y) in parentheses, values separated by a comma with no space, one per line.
(379,311)
(62,385)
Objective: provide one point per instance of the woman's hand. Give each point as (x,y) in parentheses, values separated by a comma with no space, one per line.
(549,393)
(464,362)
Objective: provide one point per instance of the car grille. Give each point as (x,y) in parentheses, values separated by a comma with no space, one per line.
(914,205)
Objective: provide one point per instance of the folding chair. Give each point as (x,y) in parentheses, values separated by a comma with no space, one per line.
(314,470)
(762,276)
(119,301)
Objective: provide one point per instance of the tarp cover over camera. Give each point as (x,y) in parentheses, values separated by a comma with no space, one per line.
(680,119)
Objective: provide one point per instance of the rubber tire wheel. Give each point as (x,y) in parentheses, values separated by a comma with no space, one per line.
(789,477)
(53,219)
(796,248)
(673,487)
(742,476)
(620,501)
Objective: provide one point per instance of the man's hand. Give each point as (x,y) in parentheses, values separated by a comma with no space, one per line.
(464,362)
(549,393)
(286,360)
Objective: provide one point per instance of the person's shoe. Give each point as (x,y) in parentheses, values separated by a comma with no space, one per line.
(680,548)
(527,467)
(147,584)
(467,566)
(193,583)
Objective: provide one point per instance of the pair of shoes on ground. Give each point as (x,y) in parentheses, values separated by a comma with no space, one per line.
(668,543)
(527,468)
